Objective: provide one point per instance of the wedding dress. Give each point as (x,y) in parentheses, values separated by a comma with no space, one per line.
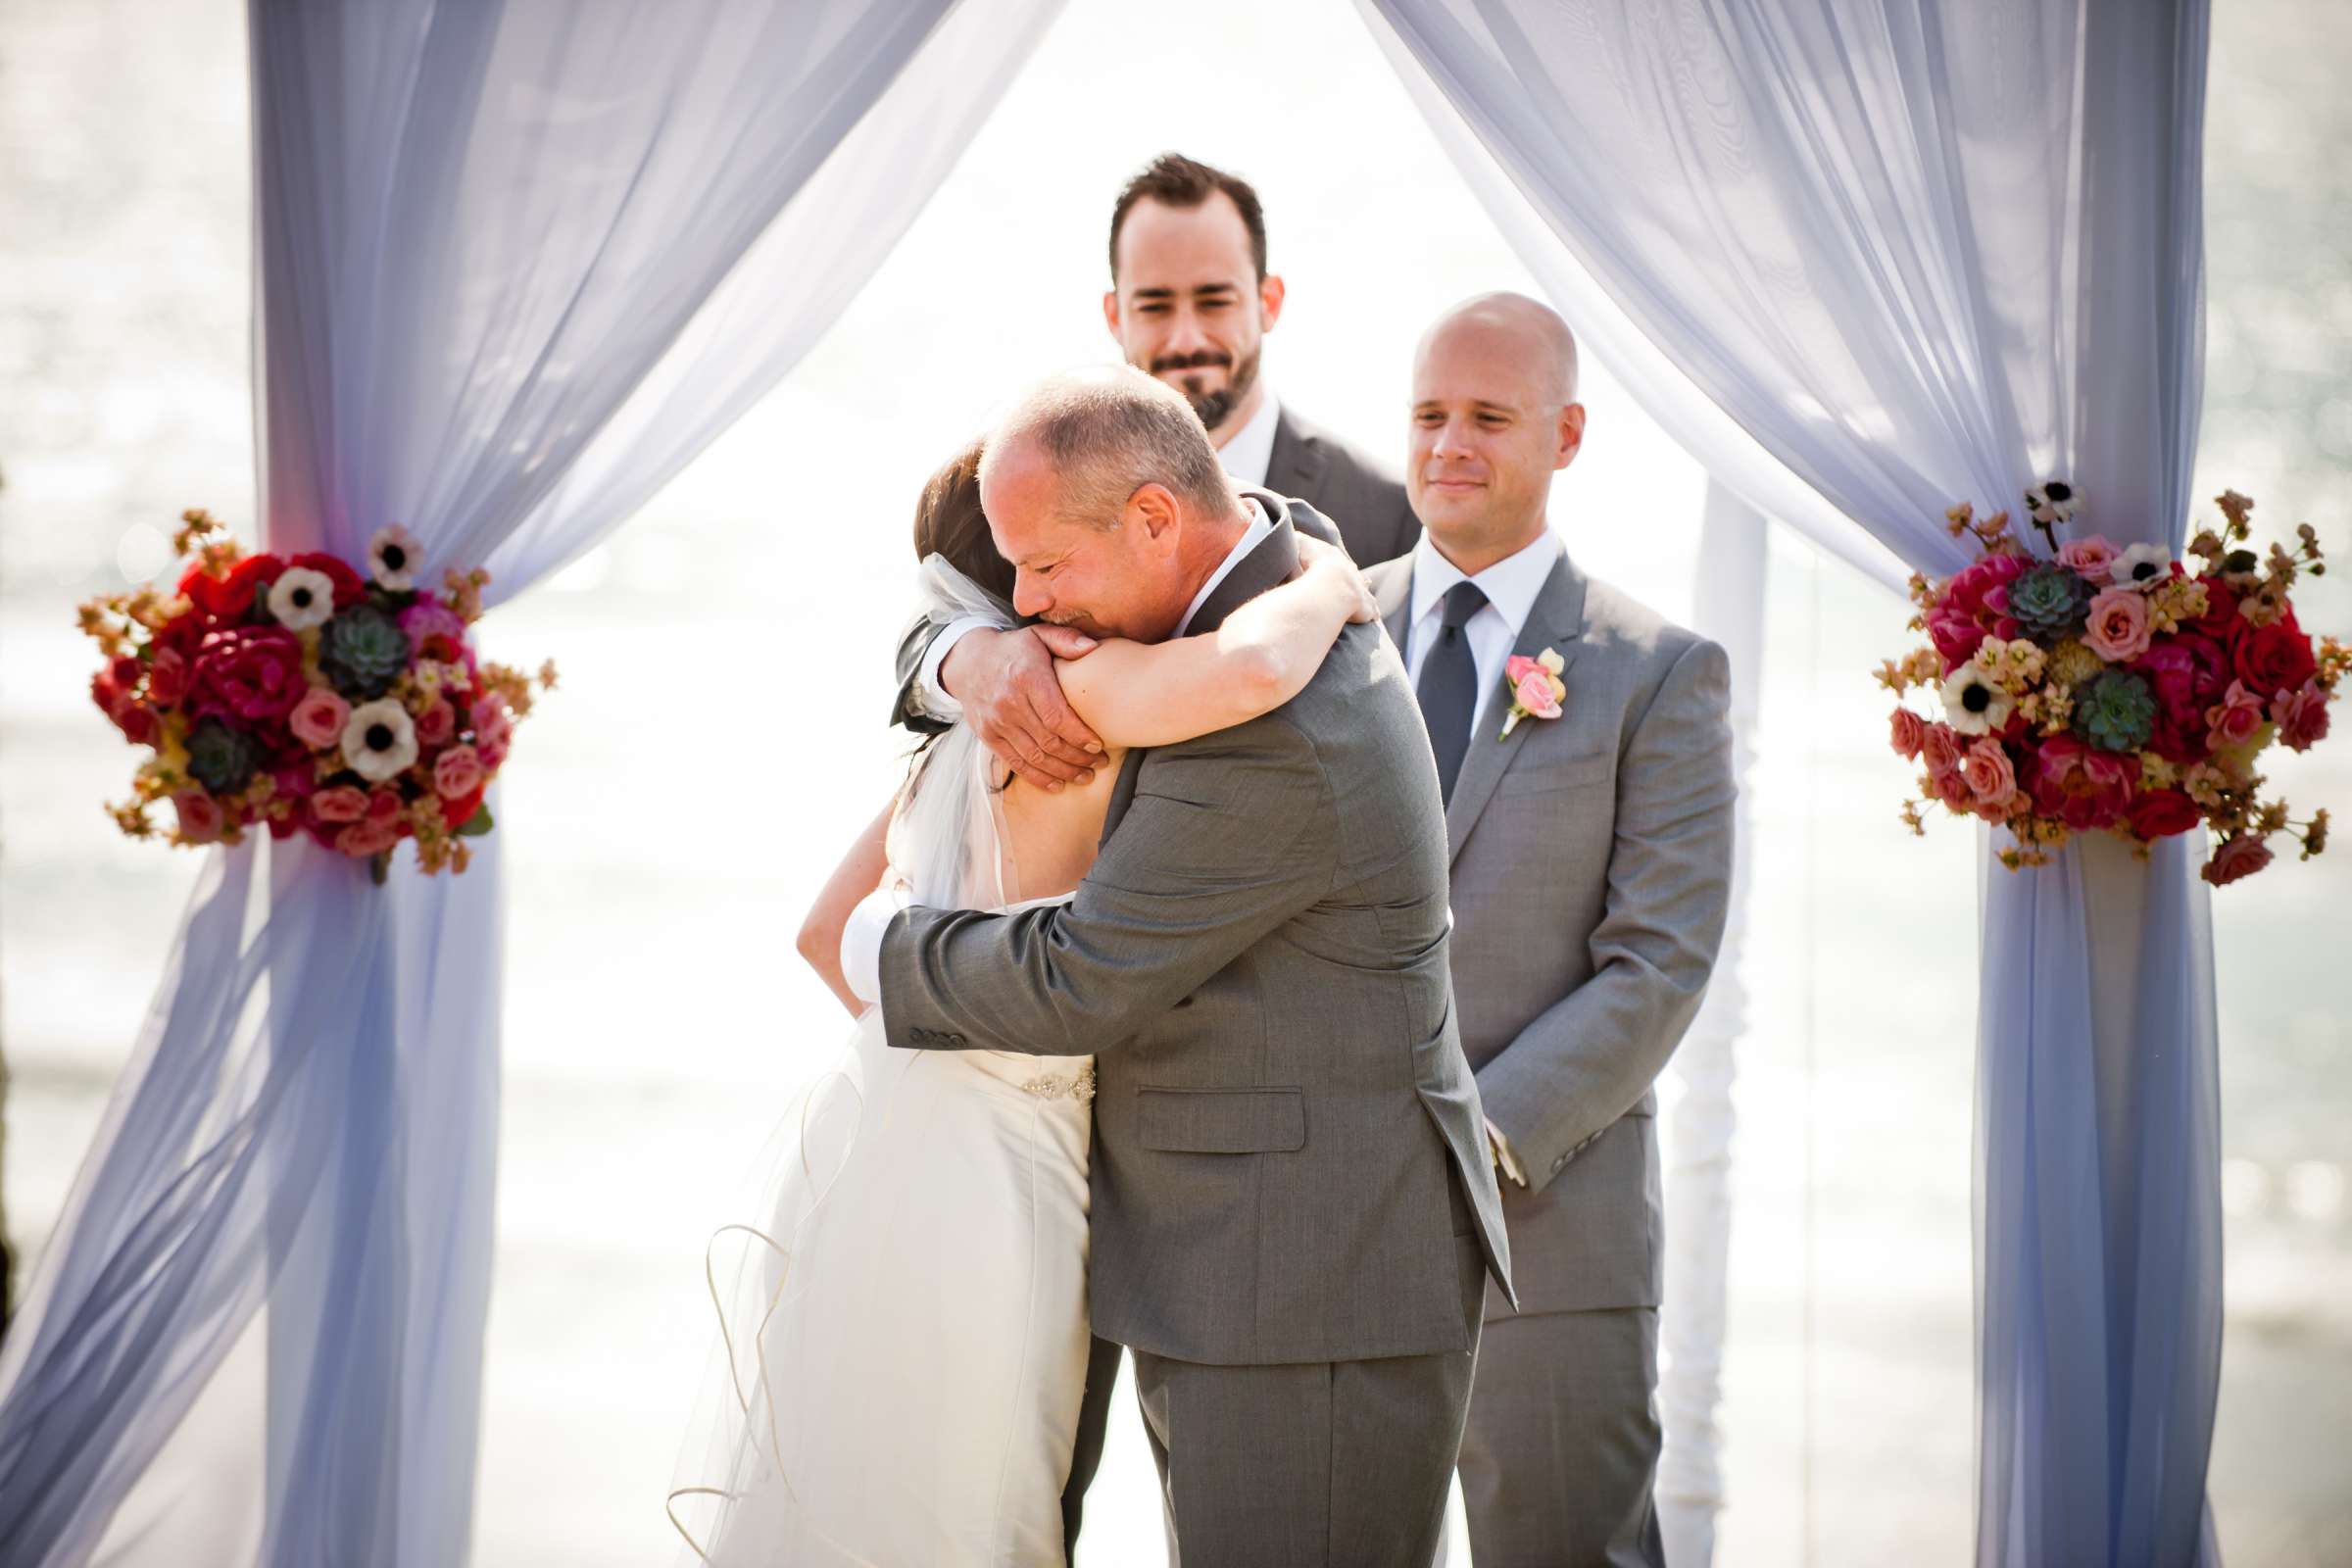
(905,1341)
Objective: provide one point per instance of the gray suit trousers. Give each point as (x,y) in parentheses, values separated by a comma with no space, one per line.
(1563,1446)
(1340,1463)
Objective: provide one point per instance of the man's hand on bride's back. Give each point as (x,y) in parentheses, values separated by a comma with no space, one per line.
(1013,702)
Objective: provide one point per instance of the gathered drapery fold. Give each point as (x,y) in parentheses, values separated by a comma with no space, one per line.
(516,265)
(1868,259)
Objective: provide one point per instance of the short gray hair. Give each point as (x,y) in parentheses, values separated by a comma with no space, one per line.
(1110,431)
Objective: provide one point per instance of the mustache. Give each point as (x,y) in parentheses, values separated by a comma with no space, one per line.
(1197,360)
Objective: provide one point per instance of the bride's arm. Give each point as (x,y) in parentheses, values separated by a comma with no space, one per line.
(859,873)
(1157,694)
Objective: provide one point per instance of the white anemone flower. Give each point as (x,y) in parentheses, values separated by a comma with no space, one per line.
(2052,501)
(301,598)
(379,740)
(2142,566)
(394,557)
(1973,705)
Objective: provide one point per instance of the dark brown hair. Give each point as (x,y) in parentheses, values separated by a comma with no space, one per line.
(1176,181)
(948,522)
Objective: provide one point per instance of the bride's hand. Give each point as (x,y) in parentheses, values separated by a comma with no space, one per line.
(1316,556)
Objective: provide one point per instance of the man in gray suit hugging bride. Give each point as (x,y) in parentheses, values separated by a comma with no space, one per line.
(1583,752)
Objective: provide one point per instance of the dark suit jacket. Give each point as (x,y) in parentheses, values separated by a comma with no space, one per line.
(1360,497)
(1258,962)
(1374,520)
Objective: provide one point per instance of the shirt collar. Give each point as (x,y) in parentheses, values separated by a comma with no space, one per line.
(1250,452)
(1259,527)
(1510,586)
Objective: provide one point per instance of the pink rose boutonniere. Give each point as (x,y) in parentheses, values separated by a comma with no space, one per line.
(1536,689)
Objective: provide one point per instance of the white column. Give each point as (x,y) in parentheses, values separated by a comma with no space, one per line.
(1729,607)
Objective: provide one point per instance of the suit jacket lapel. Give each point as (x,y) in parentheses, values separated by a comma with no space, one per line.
(1557,621)
(1392,590)
(1295,465)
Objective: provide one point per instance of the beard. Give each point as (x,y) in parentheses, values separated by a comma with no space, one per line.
(1213,408)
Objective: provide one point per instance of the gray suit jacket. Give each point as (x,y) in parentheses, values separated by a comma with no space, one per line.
(1374,522)
(1591,863)
(1258,962)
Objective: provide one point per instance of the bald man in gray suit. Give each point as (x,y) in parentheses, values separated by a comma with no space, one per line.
(1589,837)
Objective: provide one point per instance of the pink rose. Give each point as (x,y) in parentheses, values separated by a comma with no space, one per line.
(2301,715)
(494,726)
(363,839)
(2118,626)
(2089,558)
(318,721)
(200,818)
(437,723)
(2083,788)
(1940,746)
(383,805)
(1515,668)
(1535,694)
(342,804)
(168,678)
(2236,716)
(457,772)
(2240,856)
(248,674)
(1909,733)
(1987,770)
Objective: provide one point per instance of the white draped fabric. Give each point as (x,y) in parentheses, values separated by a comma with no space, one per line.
(1917,252)
(516,264)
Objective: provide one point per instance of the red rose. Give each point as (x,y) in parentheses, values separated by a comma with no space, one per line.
(459,812)
(182,634)
(248,673)
(350,589)
(2272,659)
(168,678)
(2161,813)
(229,598)
(2220,608)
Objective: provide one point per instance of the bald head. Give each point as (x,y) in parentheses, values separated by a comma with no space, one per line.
(1494,416)
(1513,334)
(1103,493)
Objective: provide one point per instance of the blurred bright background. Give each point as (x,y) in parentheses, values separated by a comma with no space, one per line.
(719,735)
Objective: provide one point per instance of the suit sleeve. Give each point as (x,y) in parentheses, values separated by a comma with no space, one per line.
(1592,1056)
(905,710)
(1227,837)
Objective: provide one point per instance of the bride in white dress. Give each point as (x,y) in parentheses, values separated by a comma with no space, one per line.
(904,1330)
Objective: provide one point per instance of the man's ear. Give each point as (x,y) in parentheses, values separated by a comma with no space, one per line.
(1572,434)
(1270,294)
(1152,509)
(1110,311)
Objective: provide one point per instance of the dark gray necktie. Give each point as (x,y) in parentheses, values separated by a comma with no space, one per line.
(1448,688)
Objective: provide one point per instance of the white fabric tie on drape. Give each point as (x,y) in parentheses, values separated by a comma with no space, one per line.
(518,263)
(1921,252)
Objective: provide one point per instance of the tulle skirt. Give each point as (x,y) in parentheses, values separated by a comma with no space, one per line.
(905,1333)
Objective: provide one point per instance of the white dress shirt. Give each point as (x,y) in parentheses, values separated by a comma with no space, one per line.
(1249,453)
(1246,458)
(1510,586)
(861,938)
